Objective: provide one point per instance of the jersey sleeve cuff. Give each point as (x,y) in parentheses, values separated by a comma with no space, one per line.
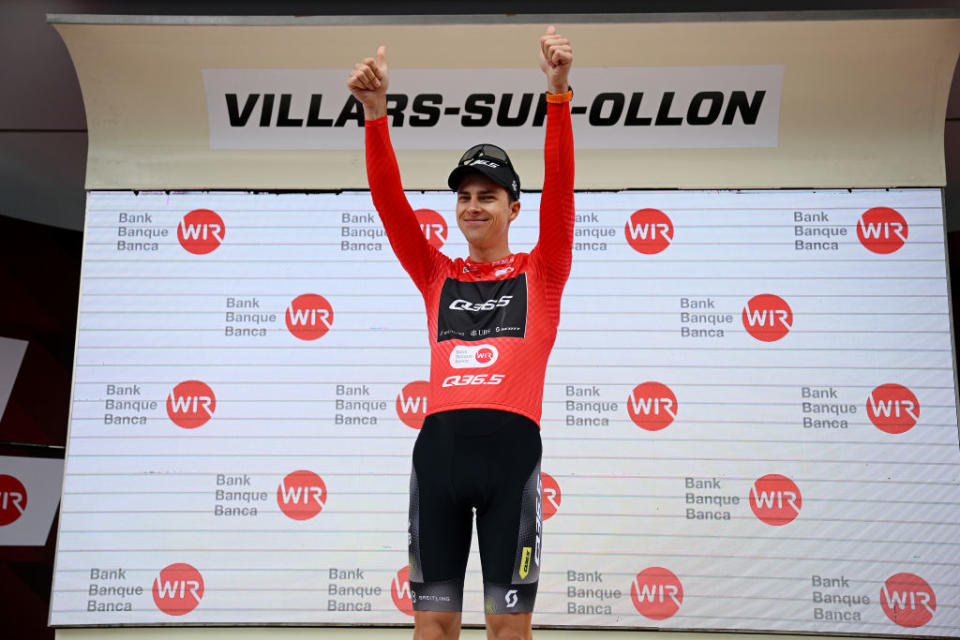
(376,122)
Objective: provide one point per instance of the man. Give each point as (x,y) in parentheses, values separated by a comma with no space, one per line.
(492,321)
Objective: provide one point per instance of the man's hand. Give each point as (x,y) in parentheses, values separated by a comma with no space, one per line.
(556,57)
(368,83)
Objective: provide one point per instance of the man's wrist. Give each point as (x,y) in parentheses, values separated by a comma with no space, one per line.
(561,97)
(375,111)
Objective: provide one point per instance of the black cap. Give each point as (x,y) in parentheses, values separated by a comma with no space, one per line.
(491,161)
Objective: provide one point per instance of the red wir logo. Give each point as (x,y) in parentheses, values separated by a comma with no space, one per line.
(656,593)
(551,495)
(652,406)
(13,499)
(882,230)
(309,316)
(433,225)
(649,231)
(767,317)
(400,591)
(908,600)
(201,231)
(775,499)
(301,495)
(178,589)
(412,403)
(191,404)
(893,408)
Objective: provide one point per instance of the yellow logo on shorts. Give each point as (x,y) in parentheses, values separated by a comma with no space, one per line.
(525,556)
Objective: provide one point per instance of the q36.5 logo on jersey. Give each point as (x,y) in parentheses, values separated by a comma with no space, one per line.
(474,311)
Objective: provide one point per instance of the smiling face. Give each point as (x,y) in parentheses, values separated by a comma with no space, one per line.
(484,214)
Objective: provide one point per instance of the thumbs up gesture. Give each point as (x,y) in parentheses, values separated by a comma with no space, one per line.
(368,83)
(556,57)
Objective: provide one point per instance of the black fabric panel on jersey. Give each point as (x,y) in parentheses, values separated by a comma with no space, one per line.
(481,459)
(481,310)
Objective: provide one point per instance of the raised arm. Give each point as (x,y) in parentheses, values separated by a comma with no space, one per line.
(368,83)
(554,249)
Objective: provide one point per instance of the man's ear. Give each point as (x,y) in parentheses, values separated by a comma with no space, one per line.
(514,210)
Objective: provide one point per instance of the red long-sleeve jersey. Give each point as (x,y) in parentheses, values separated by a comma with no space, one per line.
(491,325)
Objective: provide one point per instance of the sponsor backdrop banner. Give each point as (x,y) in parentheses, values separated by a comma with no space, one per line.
(29,494)
(749,416)
(731,104)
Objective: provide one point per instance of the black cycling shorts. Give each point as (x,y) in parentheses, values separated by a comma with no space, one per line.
(484,460)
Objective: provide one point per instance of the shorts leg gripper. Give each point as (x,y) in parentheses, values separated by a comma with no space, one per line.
(509,598)
(437,596)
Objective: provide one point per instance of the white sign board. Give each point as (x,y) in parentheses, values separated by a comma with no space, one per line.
(613,108)
(749,415)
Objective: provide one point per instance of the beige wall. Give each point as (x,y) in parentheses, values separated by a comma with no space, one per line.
(863,100)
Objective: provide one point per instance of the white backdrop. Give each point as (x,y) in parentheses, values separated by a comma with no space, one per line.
(740,431)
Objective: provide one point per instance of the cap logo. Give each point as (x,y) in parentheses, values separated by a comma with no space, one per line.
(485,163)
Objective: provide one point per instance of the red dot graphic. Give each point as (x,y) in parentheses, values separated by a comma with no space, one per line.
(767,317)
(893,408)
(201,231)
(652,406)
(178,589)
(13,499)
(400,591)
(551,495)
(882,230)
(301,495)
(309,316)
(191,404)
(775,499)
(656,593)
(908,600)
(433,225)
(649,231)
(412,403)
